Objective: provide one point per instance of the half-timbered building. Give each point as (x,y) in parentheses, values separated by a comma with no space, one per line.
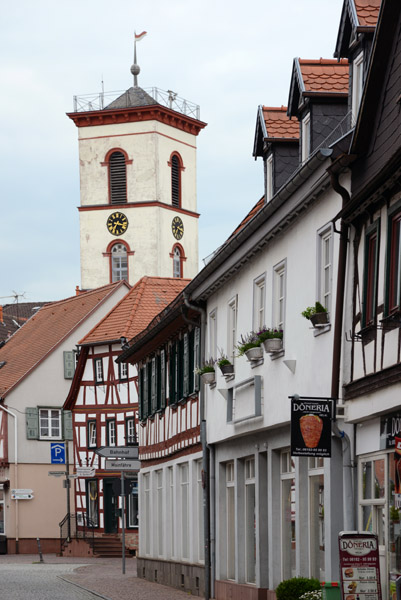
(104,402)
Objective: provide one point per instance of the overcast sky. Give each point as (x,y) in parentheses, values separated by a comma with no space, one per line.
(228,56)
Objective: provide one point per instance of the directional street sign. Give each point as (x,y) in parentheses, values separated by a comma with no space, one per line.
(86,471)
(21,494)
(57,473)
(118,451)
(57,453)
(122,465)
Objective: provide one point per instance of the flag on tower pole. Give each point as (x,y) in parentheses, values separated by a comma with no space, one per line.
(139,36)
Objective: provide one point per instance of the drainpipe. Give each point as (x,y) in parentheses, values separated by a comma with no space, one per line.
(348,462)
(15,474)
(205,466)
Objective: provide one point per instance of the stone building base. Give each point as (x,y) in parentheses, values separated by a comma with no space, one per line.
(229,590)
(184,576)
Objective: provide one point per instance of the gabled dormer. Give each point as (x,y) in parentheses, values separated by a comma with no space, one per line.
(318,99)
(354,42)
(276,141)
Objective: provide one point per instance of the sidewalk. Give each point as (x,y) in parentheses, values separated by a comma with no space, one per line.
(104,577)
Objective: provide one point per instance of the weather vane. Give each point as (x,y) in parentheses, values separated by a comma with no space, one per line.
(135,69)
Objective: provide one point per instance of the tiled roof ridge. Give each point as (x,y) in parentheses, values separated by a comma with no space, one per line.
(323,61)
(98,290)
(275,108)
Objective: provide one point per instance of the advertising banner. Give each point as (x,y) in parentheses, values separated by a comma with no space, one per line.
(359,566)
(311,427)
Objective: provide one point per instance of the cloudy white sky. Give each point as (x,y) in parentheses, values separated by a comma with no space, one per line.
(226,56)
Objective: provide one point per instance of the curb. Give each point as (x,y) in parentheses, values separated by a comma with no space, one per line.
(83,588)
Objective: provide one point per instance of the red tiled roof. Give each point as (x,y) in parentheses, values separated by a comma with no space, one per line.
(43,332)
(134,312)
(278,125)
(368,12)
(258,206)
(325,75)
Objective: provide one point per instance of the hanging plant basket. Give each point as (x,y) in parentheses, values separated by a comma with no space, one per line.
(321,318)
(255,353)
(273,345)
(208,377)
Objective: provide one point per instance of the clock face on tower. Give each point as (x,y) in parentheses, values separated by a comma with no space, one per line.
(117,223)
(177,227)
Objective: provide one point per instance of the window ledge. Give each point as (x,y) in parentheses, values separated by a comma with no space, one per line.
(321,329)
(368,333)
(276,355)
(392,321)
(256,363)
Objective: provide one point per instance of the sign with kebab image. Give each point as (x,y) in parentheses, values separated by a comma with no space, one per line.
(311,426)
(359,566)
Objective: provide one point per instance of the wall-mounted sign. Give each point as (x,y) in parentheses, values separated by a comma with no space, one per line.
(359,566)
(86,471)
(311,426)
(390,428)
(21,494)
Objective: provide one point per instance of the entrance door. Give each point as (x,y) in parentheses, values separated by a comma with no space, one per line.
(110,499)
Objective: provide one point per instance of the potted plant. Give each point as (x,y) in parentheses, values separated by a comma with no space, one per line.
(272,339)
(226,366)
(317,314)
(250,345)
(206,371)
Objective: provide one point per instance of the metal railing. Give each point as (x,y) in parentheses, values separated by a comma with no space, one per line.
(76,526)
(170,99)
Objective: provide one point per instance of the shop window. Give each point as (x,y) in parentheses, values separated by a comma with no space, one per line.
(184,493)
(230,519)
(199,522)
(316,518)
(132,500)
(288,516)
(159,512)
(250,521)
(147,512)
(171,509)
(92,502)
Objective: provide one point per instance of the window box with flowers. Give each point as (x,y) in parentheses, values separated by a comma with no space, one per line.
(250,345)
(272,339)
(225,365)
(207,371)
(317,315)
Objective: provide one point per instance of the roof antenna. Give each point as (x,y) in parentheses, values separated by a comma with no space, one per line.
(135,69)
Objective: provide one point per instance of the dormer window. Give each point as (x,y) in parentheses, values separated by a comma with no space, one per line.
(305,138)
(357,85)
(269,178)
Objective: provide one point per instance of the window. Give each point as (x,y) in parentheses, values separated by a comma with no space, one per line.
(259,299)
(92,502)
(111,432)
(70,361)
(250,521)
(98,365)
(288,540)
(130,432)
(118,178)
(147,512)
(269,178)
(305,137)
(184,484)
(372,496)
(171,508)
(49,423)
(316,518)
(230,516)
(393,300)
(232,311)
(177,262)
(370,275)
(92,434)
(212,329)
(123,371)
(199,493)
(2,519)
(176,168)
(357,86)
(119,263)
(279,295)
(159,514)
(325,266)
(133,503)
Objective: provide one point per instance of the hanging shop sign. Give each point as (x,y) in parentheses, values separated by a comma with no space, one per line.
(359,566)
(390,428)
(311,426)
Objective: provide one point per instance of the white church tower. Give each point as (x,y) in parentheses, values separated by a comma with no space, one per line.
(138,213)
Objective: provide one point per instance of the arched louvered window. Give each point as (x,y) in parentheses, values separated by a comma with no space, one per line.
(175,181)
(118,178)
(119,263)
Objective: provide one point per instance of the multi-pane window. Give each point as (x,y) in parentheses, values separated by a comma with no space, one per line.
(111,432)
(250,521)
(92,502)
(122,371)
(394,264)
(175,181)
(232,310)
(279,295)
(305,137)
(259,300)
(288,540)
(370,277)
(130,431)
(117,178)
(177,262)
(325,266)
(230,519)
(316,518)
(119,263)
(49,423)
(184,486)
(98,364)
(92,438)
(357,86)
(372,496)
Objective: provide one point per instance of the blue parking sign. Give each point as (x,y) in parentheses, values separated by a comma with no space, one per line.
(57,453)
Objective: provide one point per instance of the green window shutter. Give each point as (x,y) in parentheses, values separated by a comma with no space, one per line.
(69,364)
(191,364)
(197,356)
(186,365)
(145,392)
(67,425)
(153,385)
(173,374)
(158,382)
(180,370)
(163,378)
(140,394)
(32,423)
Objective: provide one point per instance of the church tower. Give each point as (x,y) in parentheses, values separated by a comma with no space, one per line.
(137,157)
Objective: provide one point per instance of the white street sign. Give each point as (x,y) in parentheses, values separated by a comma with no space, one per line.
(86,471)
(57,473)
(21,494)
(122,465)
(118,451)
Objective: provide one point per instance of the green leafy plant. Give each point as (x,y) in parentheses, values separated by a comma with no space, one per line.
(270,334)
(250,340)
(294,588)
(313,310)
(223,361)
(207,367)
(394,514)
(314,595)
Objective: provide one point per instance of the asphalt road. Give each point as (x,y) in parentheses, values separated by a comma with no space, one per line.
(39,582)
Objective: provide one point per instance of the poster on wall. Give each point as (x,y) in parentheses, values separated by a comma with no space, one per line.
(359,566)
(311,426)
